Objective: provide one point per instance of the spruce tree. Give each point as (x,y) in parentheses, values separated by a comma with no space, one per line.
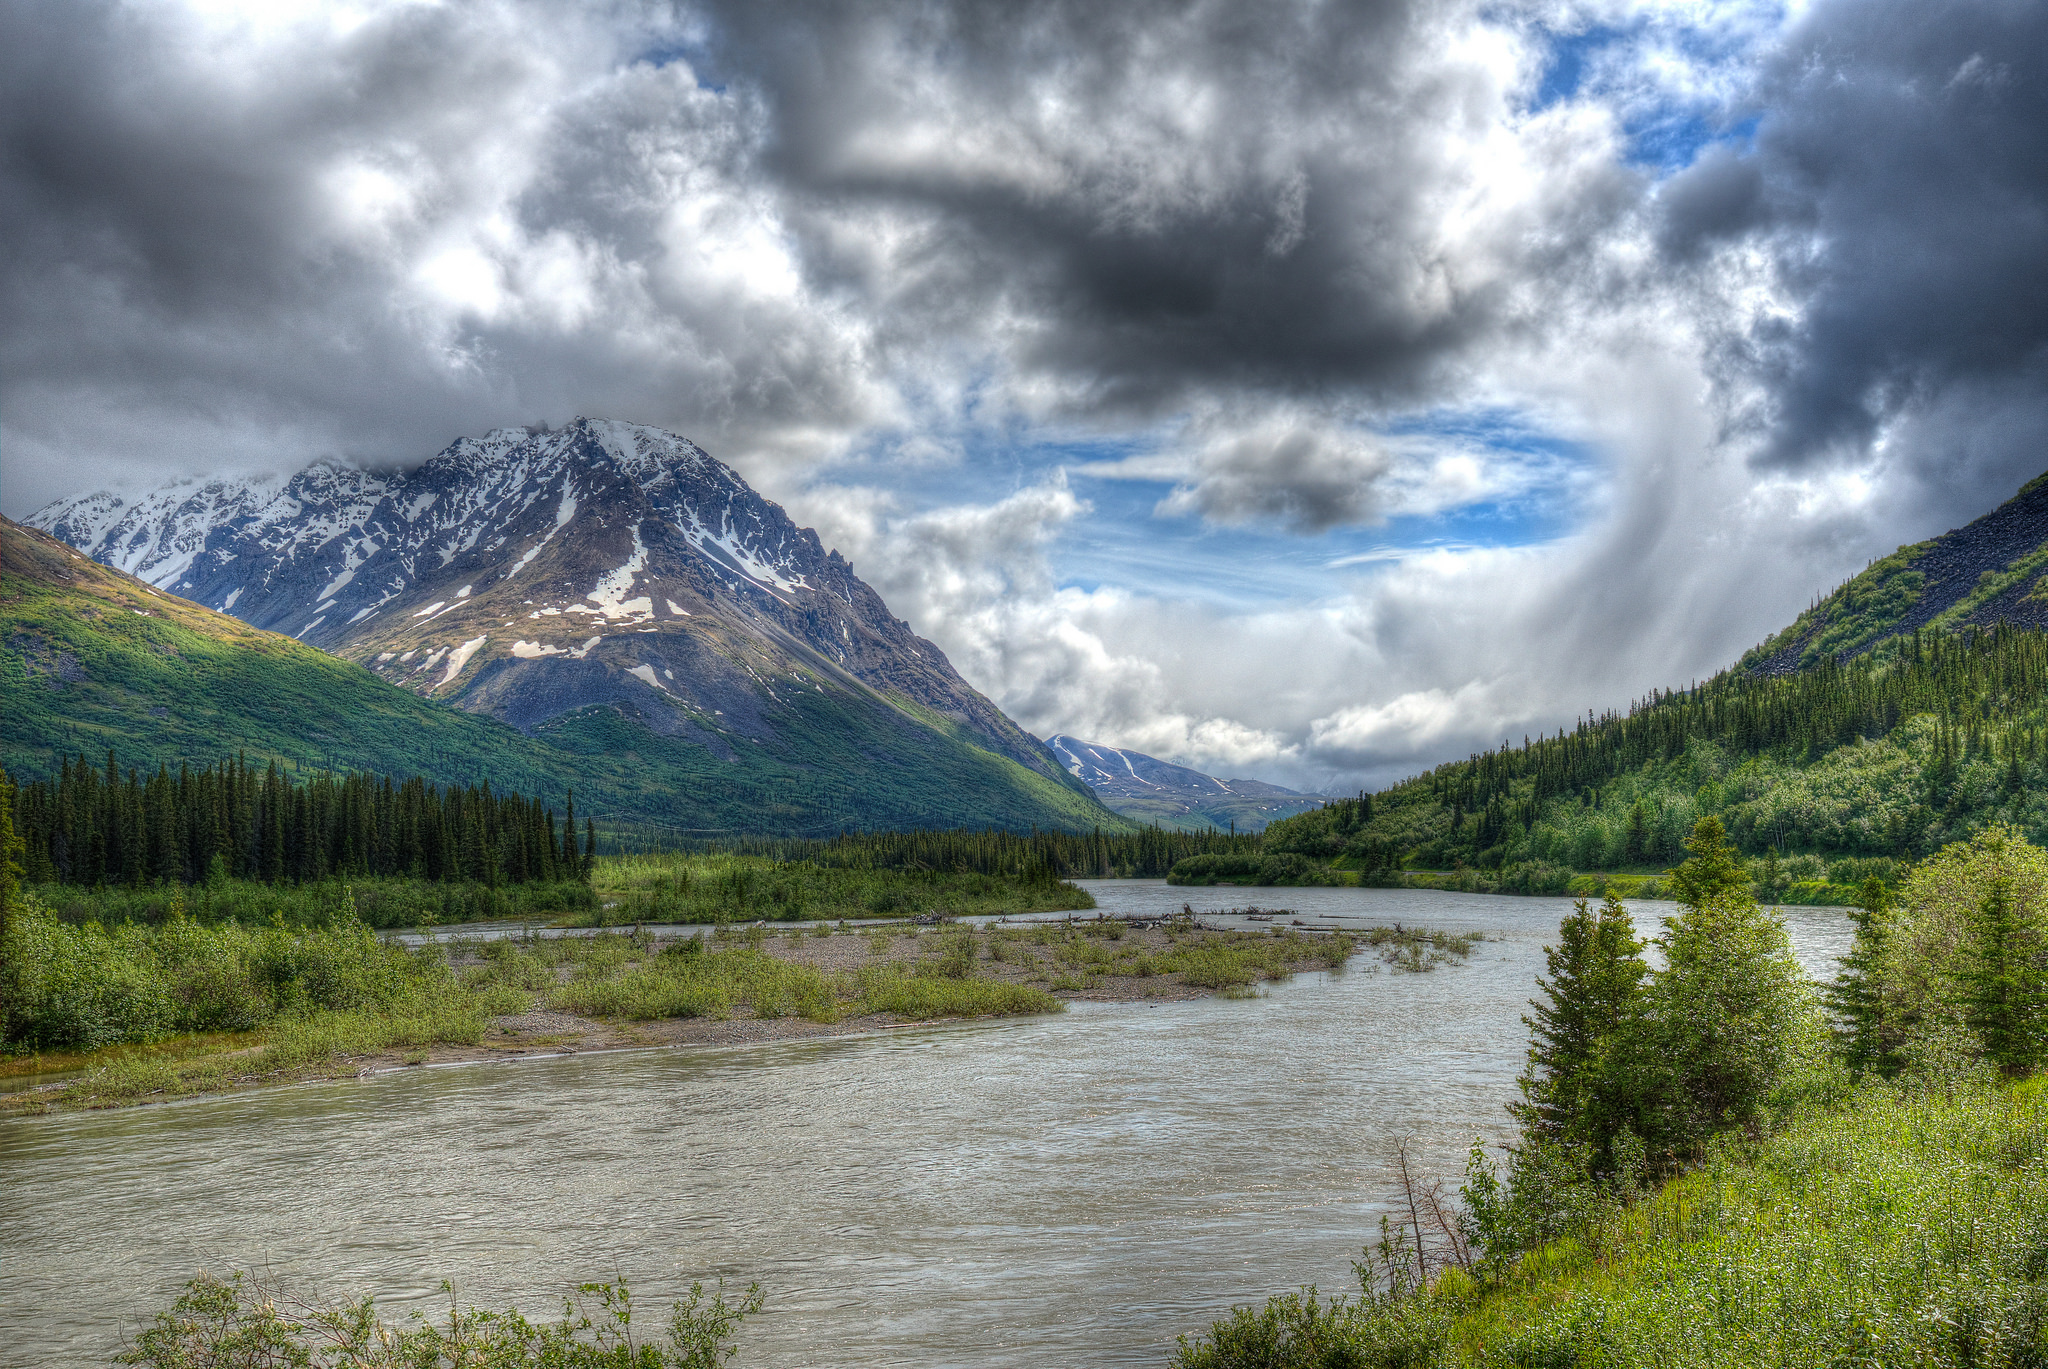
(1577,1089)
(2005,992)
(1713,867)
(1853,995)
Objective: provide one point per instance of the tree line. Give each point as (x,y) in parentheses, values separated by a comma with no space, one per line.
(93,825)
(1965,718)
(1985,688)
(1032,856)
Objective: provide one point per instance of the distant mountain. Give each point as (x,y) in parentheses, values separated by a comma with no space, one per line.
(1993,570)
(1153,790)
(607,587)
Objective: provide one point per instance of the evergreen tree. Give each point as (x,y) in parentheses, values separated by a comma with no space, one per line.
(1728,1018)
(1713,867)
(2005,990)
(1853,995)
(10,861)
(1576,1089)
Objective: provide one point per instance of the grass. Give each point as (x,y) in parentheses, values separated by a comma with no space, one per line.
(126,1009)
(377,902)
(1903,1228)
(668,887)
(1087,951)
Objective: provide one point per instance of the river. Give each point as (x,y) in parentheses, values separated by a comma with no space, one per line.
(1071,1189)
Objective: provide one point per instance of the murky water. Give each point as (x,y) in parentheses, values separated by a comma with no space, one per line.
(1074,1189)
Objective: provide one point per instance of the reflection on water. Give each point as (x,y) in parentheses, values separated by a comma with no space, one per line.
(1072,1189)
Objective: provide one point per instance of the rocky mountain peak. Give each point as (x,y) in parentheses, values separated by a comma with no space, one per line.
(531,573)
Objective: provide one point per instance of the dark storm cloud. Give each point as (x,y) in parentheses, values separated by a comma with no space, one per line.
(1244,197)
(1900,181)
(225,249)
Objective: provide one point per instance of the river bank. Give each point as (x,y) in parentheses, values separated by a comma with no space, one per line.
(1077,1187)
(508,999)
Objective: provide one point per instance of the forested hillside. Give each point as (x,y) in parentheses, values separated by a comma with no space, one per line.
(1832,773)
(1988,573)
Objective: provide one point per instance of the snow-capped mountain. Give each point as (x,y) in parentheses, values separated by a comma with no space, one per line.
(1142,786)
(528,574)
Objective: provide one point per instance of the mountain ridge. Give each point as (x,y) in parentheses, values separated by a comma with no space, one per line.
(1992,570)
(538,576)
(520,575)
(1147,788)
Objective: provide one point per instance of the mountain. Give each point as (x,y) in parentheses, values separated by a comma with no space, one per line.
(1871,732)
(1152,790)
(530,574)
(609,593)
(1993,570)
(94,659)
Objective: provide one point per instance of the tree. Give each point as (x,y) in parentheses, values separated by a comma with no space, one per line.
(1636,845)
(2004,989)
(1713,867)
(10,855)
(1853,996)
(1729,1019)
(1576,1089)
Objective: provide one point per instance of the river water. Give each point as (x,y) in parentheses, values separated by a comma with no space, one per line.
(1071,1189)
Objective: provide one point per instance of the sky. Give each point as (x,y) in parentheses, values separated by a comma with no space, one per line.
(1305,391)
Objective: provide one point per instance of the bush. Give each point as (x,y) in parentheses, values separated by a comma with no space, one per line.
(236,1323)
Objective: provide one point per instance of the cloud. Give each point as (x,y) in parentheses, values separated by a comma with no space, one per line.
(371,237)
(1622,327)
(1898,185)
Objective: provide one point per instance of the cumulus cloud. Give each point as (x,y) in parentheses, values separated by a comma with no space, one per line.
(1758,297)
(1899,185)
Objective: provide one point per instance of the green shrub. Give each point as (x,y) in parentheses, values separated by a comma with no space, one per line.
(237,1323)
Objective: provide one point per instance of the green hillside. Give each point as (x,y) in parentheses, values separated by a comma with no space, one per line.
(1990,572)
(1823,777)
(93,660)
(1907,709)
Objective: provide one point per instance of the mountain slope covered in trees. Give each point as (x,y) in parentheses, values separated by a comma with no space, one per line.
(1833,773)
(1906,710)
(94,660)
(1991,572)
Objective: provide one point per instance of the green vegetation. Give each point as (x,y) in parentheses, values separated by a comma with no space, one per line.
(1903,1228)
(1146,853)
(188,1007)
(1252,867)
(1077,956)
(1705,1176)
(242,1323)
(717,887)
(92,660)
(233,821)
(377,902)
(1823,779)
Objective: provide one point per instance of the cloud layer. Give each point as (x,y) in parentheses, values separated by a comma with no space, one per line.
(1307,390)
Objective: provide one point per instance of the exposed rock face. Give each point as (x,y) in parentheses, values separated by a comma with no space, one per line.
(1145,787)
(530,574)
(1993,570)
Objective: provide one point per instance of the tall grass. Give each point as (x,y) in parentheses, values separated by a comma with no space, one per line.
(718,887)
(377,902)
(1909,1227)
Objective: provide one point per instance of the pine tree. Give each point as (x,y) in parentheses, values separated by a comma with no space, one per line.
(10,861)
(1713,867)
(1576,1089)
(1853,995)
(2005,992)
